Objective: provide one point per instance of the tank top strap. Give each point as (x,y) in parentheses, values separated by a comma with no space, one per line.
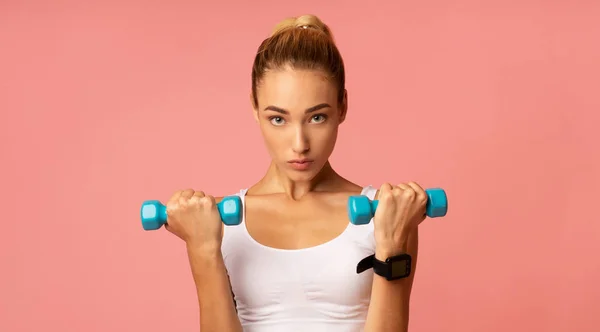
(369,191)
(234,233)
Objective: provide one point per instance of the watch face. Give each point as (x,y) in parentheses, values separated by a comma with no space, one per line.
(400,266)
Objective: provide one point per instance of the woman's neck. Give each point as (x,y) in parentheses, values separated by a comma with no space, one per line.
(276,181)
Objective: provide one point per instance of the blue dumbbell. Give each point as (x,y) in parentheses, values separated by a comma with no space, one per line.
(361,209)
(154,213)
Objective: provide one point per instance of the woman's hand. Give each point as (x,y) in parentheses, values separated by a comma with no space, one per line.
(194,218)
(401,209)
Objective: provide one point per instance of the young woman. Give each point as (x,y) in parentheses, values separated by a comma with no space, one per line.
(291,265)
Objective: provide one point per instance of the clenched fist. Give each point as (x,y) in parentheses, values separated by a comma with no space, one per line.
(194,218)
(401,208)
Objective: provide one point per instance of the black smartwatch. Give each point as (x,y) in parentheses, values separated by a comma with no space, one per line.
(395,267)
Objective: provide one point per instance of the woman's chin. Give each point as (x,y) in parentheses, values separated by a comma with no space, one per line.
(305,172)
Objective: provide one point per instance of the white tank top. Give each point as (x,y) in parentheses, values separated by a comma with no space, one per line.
(313,289)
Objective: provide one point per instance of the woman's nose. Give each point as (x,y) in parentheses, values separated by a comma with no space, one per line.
(300,142)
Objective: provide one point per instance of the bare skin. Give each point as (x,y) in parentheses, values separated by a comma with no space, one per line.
(299,114)
(313,219)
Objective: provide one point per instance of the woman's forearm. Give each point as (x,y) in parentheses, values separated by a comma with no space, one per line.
(389,307)
(215,301)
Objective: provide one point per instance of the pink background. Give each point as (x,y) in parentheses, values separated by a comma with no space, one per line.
(107,104)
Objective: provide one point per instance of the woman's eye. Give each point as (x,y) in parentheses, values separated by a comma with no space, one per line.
(318,118)
(276,120)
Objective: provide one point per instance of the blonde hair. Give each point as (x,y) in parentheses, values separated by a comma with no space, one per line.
(303,42)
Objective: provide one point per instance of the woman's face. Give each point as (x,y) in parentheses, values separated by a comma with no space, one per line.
(299,114)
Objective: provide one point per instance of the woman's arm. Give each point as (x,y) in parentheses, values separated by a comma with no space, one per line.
(194,218)
(215,301)
(390,299)
(389,308)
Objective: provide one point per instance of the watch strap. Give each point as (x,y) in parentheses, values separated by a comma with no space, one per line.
(395,267)
(365,264)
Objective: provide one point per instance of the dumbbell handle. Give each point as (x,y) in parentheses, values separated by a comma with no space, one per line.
(154,213)
(375,203)
(361,209)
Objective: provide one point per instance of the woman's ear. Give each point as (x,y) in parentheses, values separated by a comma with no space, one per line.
(344,107)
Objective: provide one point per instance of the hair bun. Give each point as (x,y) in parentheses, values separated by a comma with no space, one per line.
(302,22)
